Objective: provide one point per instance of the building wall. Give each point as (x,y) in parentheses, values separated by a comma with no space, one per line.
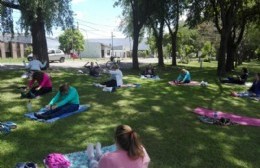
(92,50)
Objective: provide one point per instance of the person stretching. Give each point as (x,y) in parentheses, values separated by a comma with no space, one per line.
(93,70)
(130,152)
(43,85)
(116,79)
(241,79)
(253,91)
(149,71)
(184,77)
(34,65)
(65,101)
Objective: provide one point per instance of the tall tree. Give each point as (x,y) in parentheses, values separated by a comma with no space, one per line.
(37,17)
(174,9)
(223,13)
(137,11)
(71,40)
(156,23)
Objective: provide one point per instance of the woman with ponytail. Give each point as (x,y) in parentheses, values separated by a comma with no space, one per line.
(129,154)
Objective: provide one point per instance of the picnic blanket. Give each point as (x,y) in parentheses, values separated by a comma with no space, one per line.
(80,159)
(247,121)
(151,78)
(82,108)
(192,83)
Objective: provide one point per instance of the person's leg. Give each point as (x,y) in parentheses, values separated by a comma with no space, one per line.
(68,108)
(110,83)
(42,91)
(186,81)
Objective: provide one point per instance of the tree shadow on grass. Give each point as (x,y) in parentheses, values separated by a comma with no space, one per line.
(160,113)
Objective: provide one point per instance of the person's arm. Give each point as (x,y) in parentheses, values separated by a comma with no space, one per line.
(86,64)
(104,162)
(185,77)
(179,77)
(31,82)
(44,81)
(43,65)
(55,99)
(71,95)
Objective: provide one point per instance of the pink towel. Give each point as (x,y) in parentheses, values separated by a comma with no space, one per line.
(192,83)
(234,118)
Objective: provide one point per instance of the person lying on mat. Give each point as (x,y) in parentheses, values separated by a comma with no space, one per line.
(116,79)
(65,101)
(149,71)
(253,91)
(241,79)
(40,84)
(93,70)
(130,152)
(184,77)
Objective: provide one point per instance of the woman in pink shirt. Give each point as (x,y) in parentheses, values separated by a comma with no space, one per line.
(130,152)
(39,84)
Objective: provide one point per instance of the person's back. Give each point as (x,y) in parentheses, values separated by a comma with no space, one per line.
(118,76)
(129,154)
(120,159)
(35,65)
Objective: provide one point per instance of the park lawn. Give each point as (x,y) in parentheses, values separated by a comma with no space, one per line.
(160,113)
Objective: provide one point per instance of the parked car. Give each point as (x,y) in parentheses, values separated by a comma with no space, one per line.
(54,55)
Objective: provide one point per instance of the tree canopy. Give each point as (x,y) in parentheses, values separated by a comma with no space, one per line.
(71,39)
(37,17)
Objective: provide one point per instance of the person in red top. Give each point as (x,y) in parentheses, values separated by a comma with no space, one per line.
(40,84)
(130,152)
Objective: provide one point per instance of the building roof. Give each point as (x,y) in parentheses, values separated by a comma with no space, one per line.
(126,43)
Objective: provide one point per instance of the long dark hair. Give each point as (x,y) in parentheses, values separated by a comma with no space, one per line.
(128,140)
(38,76)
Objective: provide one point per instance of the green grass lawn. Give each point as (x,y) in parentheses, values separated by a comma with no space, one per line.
(161,114)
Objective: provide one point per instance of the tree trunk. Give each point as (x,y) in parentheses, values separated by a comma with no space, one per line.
(231,50)
(222,53)
(135,48)
(39,43)
(159,45)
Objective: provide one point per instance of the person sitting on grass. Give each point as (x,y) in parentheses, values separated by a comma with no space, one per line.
(34,65)
(40,84)
(130,152)
(93,70)
(253,91)
(149,71)
(184,77)
(65,101)
(241,79)
(116,79)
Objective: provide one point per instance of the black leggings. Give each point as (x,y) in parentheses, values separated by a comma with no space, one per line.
(33,92)
(110,83)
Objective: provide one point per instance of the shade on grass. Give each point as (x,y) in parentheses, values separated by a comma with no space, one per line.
(160,113)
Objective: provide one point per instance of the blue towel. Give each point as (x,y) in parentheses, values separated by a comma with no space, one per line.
(82,108)
(80,159)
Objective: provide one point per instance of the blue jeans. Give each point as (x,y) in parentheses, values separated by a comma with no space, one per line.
(67,108)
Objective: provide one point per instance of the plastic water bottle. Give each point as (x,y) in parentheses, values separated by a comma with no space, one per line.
(29,106)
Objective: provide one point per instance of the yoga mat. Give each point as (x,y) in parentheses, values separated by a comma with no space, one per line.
(82,108)
(192,83)
(234,118)
(80,159)
(153,78)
